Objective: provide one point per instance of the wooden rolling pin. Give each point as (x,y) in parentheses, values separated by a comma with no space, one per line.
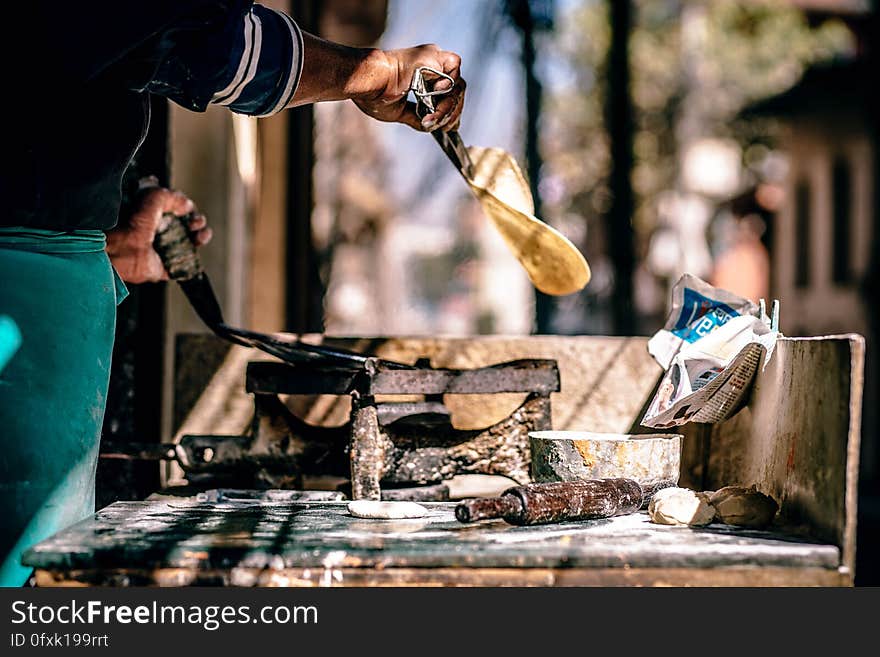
(537,504)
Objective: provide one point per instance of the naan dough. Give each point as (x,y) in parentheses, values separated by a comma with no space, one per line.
(386,510)
(680,506)
(744,507)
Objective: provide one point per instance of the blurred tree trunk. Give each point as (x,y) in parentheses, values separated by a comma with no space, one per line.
(620,130)
(521,14)
(353,22)
(304,300)
(872,279)
(534,93)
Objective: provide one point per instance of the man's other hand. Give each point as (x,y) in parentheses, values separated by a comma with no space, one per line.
(130,245)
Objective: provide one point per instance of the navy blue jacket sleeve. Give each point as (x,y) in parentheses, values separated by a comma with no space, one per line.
(247,57)
(195,52)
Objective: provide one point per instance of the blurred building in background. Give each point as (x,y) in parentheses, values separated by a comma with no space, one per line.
(824,226)
(825,253)
(693,68)
(734,146)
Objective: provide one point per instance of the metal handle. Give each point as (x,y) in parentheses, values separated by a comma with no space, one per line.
(172,242)
(424,90)
(451,143)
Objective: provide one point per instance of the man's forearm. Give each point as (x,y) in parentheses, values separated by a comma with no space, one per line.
(378,81)
(335,72)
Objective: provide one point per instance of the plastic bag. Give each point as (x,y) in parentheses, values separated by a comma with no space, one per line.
(711,348)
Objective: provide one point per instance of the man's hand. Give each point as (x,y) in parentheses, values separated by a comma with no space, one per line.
(130,245)
(387,99)
(378,81)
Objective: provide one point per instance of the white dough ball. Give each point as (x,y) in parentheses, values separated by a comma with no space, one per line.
(386,510)
(680,506)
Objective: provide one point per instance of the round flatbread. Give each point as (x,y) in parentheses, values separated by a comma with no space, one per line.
(553,263)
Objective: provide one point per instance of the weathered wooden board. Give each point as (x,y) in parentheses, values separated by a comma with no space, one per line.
(750,576)
(251,536)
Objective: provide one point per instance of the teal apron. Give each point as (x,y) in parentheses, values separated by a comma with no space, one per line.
(61,291)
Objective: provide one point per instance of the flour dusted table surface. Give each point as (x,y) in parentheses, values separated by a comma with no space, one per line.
(259,543)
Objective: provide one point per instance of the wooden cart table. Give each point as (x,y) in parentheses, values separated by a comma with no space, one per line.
(797,440)
(259,543)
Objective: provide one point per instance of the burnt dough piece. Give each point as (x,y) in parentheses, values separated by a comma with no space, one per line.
(680,506)
(744,507)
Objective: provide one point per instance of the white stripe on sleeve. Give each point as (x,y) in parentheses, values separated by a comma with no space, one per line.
(296,65)
(252,65)
(248,26)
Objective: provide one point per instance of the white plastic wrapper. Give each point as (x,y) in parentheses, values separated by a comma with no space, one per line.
(711,348)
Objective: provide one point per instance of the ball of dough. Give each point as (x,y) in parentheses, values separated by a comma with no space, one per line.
(680,506)
(375,510)
(744,507)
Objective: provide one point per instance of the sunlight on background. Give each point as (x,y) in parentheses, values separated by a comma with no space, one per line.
(405,250)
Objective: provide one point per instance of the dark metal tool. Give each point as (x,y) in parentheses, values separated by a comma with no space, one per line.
(537,504)
(175,248)
(423,88)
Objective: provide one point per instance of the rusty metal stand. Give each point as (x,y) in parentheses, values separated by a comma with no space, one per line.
(367,448)
(409,446)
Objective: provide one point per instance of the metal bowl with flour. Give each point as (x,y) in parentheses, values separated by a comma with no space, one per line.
(579,455)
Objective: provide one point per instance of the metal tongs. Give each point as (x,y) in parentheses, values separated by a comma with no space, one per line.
(424,90)
(184,266)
